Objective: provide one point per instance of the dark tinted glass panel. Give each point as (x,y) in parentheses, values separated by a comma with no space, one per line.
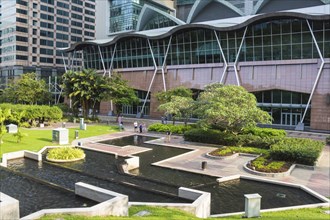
(286,97)
(267,96)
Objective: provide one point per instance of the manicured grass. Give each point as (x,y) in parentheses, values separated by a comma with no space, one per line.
(173,214)
(38,138)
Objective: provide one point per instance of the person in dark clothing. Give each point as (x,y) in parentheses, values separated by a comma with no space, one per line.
(140,127)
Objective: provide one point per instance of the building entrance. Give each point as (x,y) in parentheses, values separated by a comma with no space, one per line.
(290,118)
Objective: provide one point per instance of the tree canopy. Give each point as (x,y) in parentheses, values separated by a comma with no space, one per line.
(181,91)
(27,89)
(229,108)
(177,102)
(87,88)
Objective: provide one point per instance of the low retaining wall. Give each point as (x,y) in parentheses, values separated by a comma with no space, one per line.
(112,203)
(326,202)
(20,154)
(9,207)
(201,207)
(132,163)
(255,172)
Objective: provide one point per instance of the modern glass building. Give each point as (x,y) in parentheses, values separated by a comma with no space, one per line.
(279,50)
(32,30)
(119,16)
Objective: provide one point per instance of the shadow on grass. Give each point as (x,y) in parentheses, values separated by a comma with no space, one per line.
(45,139)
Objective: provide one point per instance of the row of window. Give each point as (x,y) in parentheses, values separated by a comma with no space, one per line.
(198,46)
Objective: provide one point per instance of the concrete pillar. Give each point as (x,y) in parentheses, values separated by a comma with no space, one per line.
(81,122)
(252,205)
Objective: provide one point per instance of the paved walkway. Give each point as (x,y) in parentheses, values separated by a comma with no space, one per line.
(318,179)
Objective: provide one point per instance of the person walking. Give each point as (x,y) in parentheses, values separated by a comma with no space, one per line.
(140,127)
(168,136)
(135,126)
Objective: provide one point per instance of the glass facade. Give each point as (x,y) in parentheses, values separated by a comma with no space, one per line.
(280,39)
(136,108)
(124,15)
(285,107)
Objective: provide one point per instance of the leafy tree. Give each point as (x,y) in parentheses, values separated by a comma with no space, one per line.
(120,92)
(177,102)
(181,91)
(178,107)
(17,116)
(230,108)
(86,88)
(4,115)
(27,89)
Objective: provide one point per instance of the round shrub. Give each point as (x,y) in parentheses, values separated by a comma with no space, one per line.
(65,153)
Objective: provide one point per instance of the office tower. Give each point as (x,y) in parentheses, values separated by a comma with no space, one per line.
(32,30)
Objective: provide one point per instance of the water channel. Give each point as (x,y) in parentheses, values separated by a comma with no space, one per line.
(155,184)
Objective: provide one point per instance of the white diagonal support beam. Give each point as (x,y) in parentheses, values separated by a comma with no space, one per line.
(223,57)
(164,62)
(237,56)
(153,77)
(64,62)
(102,60)
(318,74)
(112,58)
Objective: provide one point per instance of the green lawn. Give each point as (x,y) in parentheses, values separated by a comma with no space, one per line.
(38,138)
(173,214)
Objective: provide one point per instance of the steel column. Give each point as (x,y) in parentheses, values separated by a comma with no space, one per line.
(164,62)
(237,56)
(100,52)
(223,57)
(318,74)
(112,57)
(153,77)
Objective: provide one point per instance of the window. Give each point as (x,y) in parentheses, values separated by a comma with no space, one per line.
(21,29)
(46,25)
(22,20)
(21,48)
(46,8)
(21,11)
(51,2)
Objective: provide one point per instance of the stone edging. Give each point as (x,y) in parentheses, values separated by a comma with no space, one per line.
(65,161)
(283,174)
(233,156)
(208,155)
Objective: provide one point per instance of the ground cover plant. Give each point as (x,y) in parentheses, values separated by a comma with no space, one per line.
(38,138)
(65,153)
(227,151)
(158,213)
(267,165)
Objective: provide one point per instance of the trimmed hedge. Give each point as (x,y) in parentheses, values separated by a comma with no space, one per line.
(175,129)
(35,112)
(204,136)
(297,150)
(265,132)
(222,138)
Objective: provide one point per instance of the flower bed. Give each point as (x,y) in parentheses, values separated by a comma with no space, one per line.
(267,165)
